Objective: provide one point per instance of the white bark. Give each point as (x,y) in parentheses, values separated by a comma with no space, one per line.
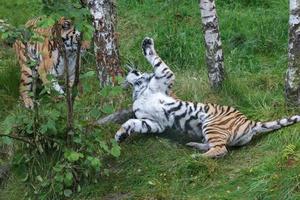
(292,81)
(214,53)
(105,40)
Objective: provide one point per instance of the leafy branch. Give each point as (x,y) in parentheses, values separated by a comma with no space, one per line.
(18,138)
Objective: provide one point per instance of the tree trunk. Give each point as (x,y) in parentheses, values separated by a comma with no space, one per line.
(214,53)
(105,40)
(292,81)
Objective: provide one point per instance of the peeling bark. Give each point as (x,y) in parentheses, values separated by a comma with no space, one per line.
(105,40)
(214,53)
(292,80)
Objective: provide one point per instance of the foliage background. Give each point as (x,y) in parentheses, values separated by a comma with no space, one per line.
(254,36)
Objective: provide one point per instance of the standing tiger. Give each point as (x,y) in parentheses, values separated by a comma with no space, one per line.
(155,110)
(46,56)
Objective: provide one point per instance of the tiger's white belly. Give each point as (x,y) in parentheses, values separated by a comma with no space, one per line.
(151,106)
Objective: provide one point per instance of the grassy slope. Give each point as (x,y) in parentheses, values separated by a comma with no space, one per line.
(254,36)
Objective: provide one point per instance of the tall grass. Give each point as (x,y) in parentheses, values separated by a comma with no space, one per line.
(9,81)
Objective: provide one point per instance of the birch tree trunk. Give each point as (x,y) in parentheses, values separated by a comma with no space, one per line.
(105,40)
(292,80)
(214,53)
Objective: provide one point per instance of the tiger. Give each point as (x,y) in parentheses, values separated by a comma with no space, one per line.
(217,127)
(47,57)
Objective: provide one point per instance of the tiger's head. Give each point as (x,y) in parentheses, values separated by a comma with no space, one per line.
(138,81)
(70,35)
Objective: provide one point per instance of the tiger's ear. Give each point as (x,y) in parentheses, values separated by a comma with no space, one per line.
(61,20)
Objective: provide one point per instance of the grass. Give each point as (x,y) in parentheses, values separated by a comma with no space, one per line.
(254,36)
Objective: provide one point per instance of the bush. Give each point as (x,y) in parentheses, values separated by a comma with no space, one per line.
(56,164)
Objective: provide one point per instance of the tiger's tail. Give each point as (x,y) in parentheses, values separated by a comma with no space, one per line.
(264,127)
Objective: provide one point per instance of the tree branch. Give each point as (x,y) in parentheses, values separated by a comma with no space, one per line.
(77,69)
(17,138)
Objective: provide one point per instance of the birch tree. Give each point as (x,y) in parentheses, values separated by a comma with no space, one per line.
(214,53)
(105,40)
(292,81)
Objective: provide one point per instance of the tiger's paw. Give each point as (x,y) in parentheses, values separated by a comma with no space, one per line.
(148,46)
(121,135)
(28,103)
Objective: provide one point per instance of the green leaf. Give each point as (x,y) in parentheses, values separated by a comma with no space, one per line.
(58,168)
(104,146)
(77,140)
(95,112)
(4,35)
(7,140)
(95,162)
(116,90)
(51,126)
(39,178)
(46,22)
(68,179)
(78,188)
(73,156)
(9,123)
(59,178)
(105,91)
(88,74)
(116,149)
(120,79)
(67,192)
(108,109)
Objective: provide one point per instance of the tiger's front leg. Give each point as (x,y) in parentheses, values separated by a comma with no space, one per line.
(137,126)
(163,75)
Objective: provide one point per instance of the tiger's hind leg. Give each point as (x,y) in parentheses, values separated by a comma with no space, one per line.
(216,152)
(25,89)
(217,141)
(200,146)
(26,75)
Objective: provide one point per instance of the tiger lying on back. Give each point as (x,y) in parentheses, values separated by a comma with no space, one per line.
(155,110)
(47,57)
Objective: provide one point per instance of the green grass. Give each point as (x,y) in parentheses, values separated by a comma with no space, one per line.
(254,36)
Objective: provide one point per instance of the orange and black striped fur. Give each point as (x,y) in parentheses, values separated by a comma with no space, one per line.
(155,110)
(46,56)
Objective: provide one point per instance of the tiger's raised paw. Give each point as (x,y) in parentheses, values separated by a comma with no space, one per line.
(148,46)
